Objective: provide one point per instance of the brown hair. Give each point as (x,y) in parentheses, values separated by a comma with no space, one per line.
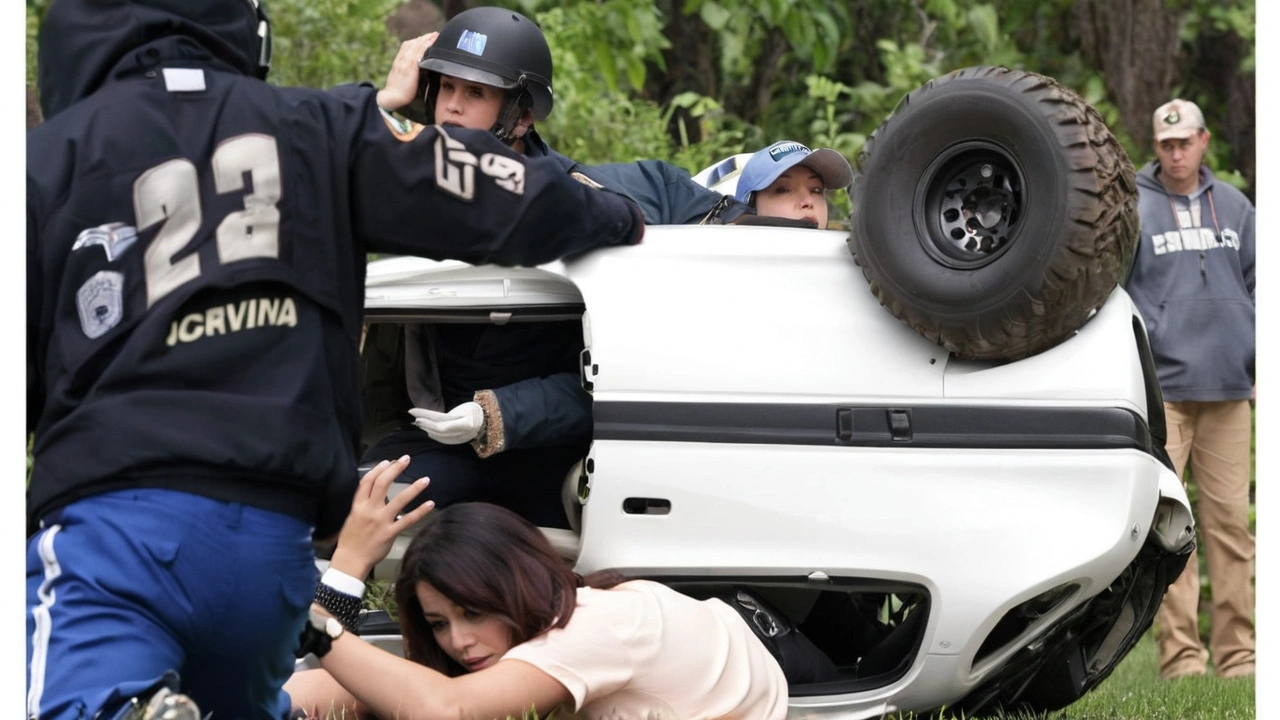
(487,559)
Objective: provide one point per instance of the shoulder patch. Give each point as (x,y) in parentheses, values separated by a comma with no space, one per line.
(114,238)
(404,130)
(585,180)
(100,302)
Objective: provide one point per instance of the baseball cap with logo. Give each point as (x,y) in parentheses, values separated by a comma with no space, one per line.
(766,165)
(1176,119)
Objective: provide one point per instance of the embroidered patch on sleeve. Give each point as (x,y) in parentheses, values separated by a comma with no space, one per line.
(114,238)
(586,180)
(404,130)
(100,303)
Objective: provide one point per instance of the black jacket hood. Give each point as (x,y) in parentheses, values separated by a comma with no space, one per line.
(85,43)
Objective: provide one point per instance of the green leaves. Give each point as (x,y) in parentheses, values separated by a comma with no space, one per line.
(613,40)
(321,43)
(748,72)
(715,16)
(986,27)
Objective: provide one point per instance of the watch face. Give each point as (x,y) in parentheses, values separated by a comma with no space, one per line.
(333,628)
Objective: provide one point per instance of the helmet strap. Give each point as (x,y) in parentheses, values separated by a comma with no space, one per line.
(430,94)
(517,102)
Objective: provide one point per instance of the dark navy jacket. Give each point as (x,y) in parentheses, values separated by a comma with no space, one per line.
(666,194)
(196,244)
(548,407)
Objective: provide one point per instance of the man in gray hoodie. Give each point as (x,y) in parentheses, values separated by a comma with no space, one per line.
(1193,280)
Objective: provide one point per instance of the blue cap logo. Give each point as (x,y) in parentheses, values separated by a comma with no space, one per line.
(780,150)
(472,42)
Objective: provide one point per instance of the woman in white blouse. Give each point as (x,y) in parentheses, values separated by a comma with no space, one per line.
(495,623)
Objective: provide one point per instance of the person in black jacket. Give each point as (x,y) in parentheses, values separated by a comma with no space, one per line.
(498,412)
(491,68)
(196,243)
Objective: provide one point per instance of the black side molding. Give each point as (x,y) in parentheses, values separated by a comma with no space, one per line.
(949,426)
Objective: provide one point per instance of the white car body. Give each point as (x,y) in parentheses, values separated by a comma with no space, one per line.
(745,384)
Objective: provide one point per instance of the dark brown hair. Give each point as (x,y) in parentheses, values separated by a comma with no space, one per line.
(486,559)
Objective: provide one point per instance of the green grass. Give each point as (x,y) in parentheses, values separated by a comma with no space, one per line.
(1135,692)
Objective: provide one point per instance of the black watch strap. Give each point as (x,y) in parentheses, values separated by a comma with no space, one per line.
(314,640)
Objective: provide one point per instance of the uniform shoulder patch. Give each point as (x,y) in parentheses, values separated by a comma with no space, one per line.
(585,180)
(114,238)
(404,130)
(100,303)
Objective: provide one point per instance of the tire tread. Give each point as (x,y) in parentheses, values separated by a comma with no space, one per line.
(1093,257)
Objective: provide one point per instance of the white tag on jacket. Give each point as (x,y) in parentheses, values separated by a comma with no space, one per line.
(184,79)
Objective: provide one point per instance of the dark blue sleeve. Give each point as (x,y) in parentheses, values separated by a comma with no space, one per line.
(461,194)
(538,412)
(665,193)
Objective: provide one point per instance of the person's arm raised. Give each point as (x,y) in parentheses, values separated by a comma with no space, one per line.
(374,521)
(392,686)
(461,194)
(402,87)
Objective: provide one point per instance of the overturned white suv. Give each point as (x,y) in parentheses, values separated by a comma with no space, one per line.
(971,517)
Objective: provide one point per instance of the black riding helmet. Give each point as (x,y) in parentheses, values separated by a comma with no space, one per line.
(496,47)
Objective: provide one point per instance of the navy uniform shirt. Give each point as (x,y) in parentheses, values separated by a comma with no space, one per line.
(196,243)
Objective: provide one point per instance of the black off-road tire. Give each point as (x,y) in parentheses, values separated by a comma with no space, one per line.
(994,212)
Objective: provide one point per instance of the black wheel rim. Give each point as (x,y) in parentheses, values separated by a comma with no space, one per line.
(969,203)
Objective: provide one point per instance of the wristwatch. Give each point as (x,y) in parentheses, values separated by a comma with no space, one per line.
(318,634)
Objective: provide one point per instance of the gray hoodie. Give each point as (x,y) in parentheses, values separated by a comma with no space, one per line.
(1193,281)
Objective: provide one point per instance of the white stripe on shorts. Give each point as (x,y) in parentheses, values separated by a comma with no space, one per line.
(40,638)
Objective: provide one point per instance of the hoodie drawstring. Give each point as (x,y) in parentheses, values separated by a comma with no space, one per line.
(1217,230)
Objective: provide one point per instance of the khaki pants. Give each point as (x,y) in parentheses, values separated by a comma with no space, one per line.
(1215,435)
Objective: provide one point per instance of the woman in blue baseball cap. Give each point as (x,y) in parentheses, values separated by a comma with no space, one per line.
(789,180)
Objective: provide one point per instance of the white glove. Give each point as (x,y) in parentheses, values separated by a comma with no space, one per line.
(455,427)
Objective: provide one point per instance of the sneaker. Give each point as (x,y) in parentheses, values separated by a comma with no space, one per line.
(166,705)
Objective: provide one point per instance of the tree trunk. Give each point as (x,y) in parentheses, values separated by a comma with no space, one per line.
(1135,44)
(453,7)
(690,67)
(1216,59)
(414,18)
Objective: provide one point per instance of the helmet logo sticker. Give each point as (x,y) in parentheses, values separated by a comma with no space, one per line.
(99,302)
(472,42)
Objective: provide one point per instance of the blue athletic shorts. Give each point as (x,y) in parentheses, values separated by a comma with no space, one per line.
(125,588)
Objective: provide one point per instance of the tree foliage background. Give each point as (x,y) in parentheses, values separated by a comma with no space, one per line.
(692,81)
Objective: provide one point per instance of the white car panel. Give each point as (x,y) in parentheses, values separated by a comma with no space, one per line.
(745,312)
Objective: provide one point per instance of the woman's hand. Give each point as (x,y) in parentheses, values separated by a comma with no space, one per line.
(374,521)
(402,80)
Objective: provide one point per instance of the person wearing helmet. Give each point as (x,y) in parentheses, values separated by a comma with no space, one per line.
(491,67)
(196,243)
(493,48)
(503,409)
